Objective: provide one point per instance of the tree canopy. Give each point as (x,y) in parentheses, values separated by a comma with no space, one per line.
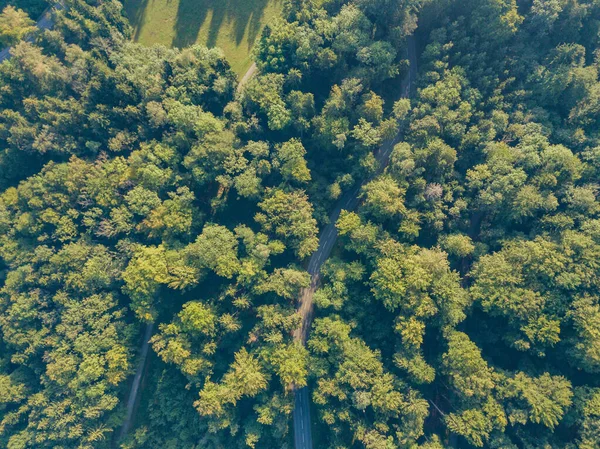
(459,307)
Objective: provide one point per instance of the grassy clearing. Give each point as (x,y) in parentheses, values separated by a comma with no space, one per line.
(232,25)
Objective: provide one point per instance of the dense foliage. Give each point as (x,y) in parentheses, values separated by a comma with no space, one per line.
(140,185)
(31,9)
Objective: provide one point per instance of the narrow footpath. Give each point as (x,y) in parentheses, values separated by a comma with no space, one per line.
(349,201)
(137,380)
(143,351)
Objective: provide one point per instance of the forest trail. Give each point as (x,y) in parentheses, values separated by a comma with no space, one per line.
(247,76)
(141,369)
(137,380)
(349,201)
(46,22)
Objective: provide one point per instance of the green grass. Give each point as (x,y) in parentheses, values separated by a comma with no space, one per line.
(232,25)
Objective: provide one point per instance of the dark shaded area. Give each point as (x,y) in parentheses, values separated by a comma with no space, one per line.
(135,13)
(191,15)
(34,8)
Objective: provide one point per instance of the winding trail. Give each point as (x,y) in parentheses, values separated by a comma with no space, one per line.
(349,201)
(45,22)
(137,380)
(141,369)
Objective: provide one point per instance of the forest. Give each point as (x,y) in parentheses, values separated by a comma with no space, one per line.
(146,188)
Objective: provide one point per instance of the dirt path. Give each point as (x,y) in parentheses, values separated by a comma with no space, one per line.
(137,380)
(46,22)
(141,369)
(302,421)
(349,201)
(249,74)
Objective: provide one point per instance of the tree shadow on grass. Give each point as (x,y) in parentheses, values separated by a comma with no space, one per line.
(192,14)
(135,11)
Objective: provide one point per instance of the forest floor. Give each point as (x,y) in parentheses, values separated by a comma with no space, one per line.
(232,25)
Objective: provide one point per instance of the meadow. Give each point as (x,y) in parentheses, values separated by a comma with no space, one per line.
(232,25)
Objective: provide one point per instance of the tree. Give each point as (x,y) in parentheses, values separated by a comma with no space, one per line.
(285,282)
(354,392)
(458,245)
(264,93)
(289,215)
(15,24)
(290,156)
(216,248)
(542,399)
(384,198)
(190,341)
